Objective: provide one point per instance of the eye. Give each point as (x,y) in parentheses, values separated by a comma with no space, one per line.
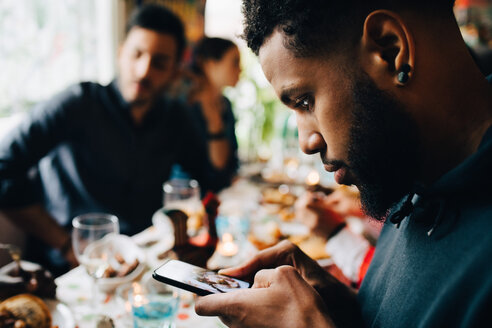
(304,103)
(136,53)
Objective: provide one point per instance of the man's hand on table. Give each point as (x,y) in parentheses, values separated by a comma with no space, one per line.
(290,290)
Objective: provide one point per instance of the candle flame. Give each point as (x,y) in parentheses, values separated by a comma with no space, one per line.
(227,247)
(227,238)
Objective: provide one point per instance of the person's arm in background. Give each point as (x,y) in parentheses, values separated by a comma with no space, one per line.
(218,121)
(194,159)
(36,221)
(20,152)
(219,148)
(325,216)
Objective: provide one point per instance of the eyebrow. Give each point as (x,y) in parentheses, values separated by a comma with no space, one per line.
(287,93)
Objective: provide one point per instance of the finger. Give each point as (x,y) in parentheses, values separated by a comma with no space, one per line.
(226,305)
(266,259)
(264,278)
(267,278)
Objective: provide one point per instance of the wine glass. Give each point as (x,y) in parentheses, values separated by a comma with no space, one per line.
(91,244)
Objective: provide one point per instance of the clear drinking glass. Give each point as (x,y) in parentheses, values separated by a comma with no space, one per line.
(154,304)
(184,195)
(180,192)
(90,247)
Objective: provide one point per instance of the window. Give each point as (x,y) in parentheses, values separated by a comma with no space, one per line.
(46,45)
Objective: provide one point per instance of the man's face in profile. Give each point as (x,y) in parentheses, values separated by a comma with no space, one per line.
(147,63)
(362,133)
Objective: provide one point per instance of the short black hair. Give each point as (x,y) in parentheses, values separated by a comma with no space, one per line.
(313,26)
(160,19)
(209,48)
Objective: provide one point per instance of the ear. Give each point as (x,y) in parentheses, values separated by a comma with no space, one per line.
(387,46)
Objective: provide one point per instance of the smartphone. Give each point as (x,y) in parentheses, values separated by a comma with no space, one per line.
(195,279)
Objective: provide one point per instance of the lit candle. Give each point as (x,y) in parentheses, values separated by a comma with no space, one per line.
(138,298)
(227,246)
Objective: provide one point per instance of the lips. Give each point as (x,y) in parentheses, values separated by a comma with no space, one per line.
(341,174)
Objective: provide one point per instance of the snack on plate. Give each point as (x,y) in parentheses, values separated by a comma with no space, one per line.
(276,196)
(313,246)
(287,214)
(35,280)
(122,270)
(24,310)
(266,235)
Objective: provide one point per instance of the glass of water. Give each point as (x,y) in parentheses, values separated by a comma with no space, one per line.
(154,304)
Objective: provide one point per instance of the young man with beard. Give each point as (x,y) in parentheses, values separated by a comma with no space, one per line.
(106,148)
(388,94)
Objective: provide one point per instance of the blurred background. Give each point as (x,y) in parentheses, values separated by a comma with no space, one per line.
(46,45)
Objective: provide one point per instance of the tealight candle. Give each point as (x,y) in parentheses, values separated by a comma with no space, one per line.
(227,246)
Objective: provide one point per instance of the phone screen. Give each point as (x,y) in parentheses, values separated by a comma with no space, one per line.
(195,279)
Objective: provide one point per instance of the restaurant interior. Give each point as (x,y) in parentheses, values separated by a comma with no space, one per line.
(277,192)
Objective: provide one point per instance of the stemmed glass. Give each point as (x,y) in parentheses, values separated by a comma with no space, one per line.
(91,244)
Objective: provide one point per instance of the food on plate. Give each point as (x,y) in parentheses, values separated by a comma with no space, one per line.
(266,235)
(33,279)
(123,269)
(287,214)
(313,246)
(24,310)
(278,196)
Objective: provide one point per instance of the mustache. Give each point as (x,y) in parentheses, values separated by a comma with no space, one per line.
(335,163)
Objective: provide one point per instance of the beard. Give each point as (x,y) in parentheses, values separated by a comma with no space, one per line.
(383,149)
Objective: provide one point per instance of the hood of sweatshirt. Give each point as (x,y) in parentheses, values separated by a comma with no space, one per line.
(470,179)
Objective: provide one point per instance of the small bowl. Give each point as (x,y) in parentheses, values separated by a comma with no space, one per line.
(130,251)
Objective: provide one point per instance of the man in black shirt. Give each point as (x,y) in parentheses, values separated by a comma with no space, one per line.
(96,148)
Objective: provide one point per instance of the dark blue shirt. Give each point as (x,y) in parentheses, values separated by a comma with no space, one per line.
(81,152)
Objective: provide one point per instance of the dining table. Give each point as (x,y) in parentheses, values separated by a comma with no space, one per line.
(74,288)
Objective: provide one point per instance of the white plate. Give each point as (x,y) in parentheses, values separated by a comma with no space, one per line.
(61,314)
(130,251)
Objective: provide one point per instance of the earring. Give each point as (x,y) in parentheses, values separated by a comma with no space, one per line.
(403,75)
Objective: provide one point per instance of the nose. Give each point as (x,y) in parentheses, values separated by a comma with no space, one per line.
(310,139)
(143,67)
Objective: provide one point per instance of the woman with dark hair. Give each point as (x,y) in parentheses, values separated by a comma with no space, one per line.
(214,66)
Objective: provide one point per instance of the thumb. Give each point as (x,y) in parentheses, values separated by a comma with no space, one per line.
(264,278)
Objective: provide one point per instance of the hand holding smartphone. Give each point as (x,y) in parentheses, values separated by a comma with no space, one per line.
(195,279)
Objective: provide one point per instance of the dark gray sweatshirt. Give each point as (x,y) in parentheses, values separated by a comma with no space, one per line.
(433,261)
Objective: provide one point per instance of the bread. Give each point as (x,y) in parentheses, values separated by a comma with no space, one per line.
(28,308)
